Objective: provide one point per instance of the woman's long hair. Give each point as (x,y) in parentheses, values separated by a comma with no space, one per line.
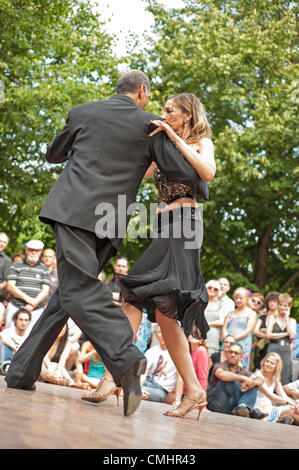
(190,104)
(277,373)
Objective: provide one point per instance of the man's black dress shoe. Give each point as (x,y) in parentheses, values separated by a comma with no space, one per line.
(257,414)
(32,388)
(130,383)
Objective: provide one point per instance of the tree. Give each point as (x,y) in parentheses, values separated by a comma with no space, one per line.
(240,59)
(54,55)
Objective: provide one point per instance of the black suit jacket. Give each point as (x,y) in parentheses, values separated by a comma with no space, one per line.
(108,151)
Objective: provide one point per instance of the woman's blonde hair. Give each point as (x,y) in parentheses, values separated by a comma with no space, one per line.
(190,104)
(277,373)
(285,298)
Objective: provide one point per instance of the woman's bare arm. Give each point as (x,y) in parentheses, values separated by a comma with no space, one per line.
(200,156)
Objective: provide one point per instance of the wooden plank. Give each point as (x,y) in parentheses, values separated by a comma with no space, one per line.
(55,417)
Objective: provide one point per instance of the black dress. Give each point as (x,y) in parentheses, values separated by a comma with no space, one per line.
(282,347)
(168,275)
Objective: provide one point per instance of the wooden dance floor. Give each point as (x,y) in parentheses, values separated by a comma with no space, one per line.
(54,417)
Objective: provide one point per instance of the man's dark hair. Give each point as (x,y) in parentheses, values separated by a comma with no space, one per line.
(131,81)
(18,312)
(236,344)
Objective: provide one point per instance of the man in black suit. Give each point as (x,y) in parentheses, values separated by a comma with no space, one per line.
(108,151)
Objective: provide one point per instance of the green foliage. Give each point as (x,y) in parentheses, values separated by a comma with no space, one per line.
(54,55)
(240,59)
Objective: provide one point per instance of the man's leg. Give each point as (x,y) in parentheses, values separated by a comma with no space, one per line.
(224,397)
(80,258)
(27,361)
(248,398)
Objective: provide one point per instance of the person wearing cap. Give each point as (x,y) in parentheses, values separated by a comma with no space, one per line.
(28,283)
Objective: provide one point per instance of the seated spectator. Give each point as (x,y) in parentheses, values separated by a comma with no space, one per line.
(240,323)
(221,355)
(54,364)
(292,389)
(5,262)
(200,359)
(12,338)
(214,316)
(144,334)
(230,381)
(89,367)
(270,391)
(227,304)
(74,335)
(160,377)
(121,266)
(281,328)
(28,283)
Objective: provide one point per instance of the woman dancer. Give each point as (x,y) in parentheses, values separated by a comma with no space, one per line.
(167,279)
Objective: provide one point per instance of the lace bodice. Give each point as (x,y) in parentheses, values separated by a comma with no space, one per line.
(169,188)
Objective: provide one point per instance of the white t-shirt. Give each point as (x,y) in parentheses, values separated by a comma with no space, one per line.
(160,367)
(227,305)
(263,403)
(9,335)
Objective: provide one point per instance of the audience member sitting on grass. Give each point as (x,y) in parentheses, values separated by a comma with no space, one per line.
(54,364)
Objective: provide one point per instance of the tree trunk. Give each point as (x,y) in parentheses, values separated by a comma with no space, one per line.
(262,254)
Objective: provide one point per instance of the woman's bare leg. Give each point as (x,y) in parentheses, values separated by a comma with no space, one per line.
(178,348)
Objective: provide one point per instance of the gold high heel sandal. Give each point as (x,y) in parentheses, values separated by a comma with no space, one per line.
(98,397)
(194,404)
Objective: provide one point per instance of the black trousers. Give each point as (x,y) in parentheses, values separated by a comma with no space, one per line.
(81,296)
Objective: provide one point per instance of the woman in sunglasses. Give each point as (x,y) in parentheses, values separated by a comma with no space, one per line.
(214,317)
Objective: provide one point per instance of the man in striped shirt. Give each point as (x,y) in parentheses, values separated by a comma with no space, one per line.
(28,283)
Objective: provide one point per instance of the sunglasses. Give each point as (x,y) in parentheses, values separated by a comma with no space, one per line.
(236,353)
(257,301)
(213,288)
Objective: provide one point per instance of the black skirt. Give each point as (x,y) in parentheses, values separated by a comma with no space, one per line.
(168,275)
